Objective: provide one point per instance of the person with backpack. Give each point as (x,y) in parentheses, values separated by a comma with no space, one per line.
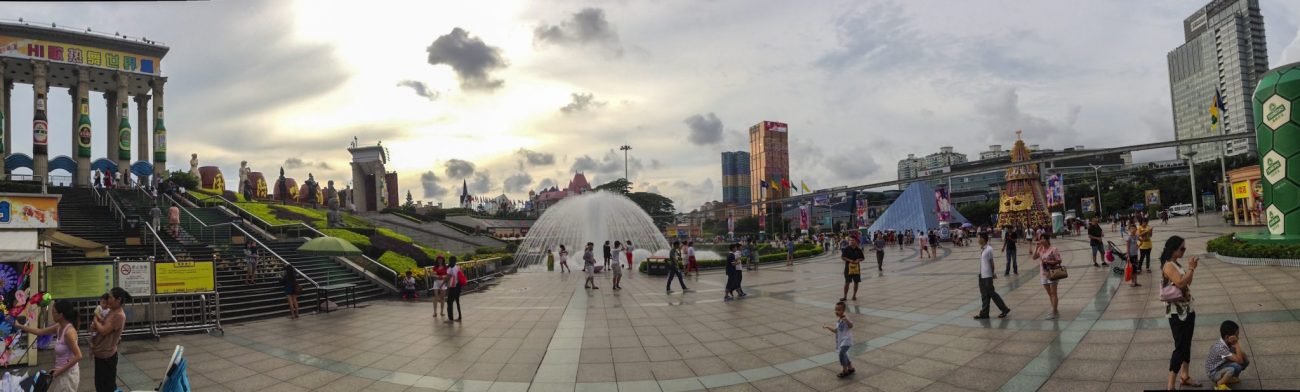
(455,282)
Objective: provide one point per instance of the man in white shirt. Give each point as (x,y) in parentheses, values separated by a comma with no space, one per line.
(986,282)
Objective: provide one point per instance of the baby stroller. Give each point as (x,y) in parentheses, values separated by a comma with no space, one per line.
(1121,258)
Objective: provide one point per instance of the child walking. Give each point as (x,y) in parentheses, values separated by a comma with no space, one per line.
(843,331)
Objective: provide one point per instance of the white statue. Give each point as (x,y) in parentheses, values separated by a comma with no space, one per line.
(194,165)
(244,172)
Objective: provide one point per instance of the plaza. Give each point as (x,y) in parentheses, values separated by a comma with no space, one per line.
(540,331)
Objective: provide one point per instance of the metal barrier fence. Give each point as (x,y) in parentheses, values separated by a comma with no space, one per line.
(159,314)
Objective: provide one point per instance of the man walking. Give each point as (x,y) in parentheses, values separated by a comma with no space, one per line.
(107,333)
(852,257)
(674,267)
(1009,246)
(879,244)
(1095,234)
(986,283)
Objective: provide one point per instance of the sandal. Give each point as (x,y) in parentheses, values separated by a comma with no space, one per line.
(1187,382)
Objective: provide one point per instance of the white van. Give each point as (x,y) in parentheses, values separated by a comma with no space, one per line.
(1180,210)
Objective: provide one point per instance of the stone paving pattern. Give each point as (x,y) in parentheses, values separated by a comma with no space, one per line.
(541,331)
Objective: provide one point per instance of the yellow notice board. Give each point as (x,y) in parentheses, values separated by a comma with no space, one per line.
(79,281)
(1241,190)
(184,277)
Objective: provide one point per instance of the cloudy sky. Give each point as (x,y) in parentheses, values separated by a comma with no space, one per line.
(516,95)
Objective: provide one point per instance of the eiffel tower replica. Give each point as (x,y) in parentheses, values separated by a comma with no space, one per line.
(1022,203)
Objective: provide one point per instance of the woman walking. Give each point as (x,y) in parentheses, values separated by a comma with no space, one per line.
(440,285)
(627,249)
(289,282)
(1049,258)
(66,373)
(1176,293)
(564,260)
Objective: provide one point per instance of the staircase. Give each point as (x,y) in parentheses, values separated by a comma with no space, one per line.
(79,216)
(433,234)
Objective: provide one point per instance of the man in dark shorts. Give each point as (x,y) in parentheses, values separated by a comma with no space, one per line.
(607,254)
(1094,239)
(852,257)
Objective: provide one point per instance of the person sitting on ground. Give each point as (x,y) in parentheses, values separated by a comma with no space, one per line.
(1227,359)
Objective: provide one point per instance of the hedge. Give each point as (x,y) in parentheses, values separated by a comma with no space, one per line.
(1229,246)
(771,258)
(401,264)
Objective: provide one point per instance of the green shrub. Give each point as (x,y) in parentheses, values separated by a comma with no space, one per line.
(392,234)
(486,250)
(1231,247)
(399,263)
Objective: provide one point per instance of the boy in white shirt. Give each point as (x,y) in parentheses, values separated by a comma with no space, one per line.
(843,339)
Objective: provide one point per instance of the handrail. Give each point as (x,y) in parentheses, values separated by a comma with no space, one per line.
(117,208)
(158,240)
(248,236)
(242,213)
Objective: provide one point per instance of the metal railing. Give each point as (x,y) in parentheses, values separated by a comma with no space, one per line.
(148,228)
(28,178)
(302,231)
(155,315)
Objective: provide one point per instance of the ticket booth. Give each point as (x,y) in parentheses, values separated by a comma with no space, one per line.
(22,262)
(1247,196)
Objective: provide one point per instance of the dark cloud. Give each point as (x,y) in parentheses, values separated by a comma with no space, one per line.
(705,129)
(420,89)
(655,164)
(481,183)
(546,183)
(432,190)
(851,165)
(518,183)
(536,158)
(1001,112)
(458,169)
(610,163)
(298,163)
(584,28)
(581,103)
(471,58)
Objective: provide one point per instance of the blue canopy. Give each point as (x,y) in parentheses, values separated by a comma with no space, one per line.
(913,210)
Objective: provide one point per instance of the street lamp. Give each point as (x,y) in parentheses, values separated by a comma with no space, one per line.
(1096,175)
(1191,172)
(625,149)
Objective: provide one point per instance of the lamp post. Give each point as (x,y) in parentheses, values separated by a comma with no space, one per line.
(1191,172)
(1096,175)
(625,149)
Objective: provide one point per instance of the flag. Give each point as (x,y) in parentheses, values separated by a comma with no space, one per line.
(785,182)
(762,184)
(805,187)
(776,184)
(1216,108)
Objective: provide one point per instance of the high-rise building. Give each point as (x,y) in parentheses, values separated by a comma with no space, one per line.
(1224,51)
(735,177)
(914,167)
(769,160)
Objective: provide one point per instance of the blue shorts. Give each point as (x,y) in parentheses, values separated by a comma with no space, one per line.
(1098,250)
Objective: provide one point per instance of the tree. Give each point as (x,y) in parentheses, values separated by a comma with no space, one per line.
(659,208)
(184,179)
(620,185)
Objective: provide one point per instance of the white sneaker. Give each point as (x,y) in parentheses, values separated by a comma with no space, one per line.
(1051,316)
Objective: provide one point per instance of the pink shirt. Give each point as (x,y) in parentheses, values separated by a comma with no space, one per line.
(1049,256)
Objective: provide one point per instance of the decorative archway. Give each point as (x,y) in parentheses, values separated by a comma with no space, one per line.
(17,160)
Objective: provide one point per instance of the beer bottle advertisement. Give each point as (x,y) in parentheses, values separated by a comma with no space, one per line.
(83,130)
(159,138)
(124,134)
(40,128)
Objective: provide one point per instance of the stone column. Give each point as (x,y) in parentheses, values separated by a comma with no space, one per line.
(40,92)
(123,139)
(110,125)
(4,118)
(81,145)
(159,129)
(142,134)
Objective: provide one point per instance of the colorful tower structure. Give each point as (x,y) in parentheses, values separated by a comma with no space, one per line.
(1022,203)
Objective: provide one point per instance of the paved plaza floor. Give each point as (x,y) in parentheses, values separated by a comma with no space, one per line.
(541,331)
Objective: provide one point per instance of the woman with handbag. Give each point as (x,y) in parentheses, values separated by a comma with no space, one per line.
(66,373)
(440,283)
(1050,270)
(1175,292)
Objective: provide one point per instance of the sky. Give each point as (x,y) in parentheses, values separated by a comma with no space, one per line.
(512,96)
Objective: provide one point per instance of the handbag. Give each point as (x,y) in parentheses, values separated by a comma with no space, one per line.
(1110,256)
(1057,273)
(1171,293)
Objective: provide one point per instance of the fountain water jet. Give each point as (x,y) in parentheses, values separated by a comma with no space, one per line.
(593,217)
